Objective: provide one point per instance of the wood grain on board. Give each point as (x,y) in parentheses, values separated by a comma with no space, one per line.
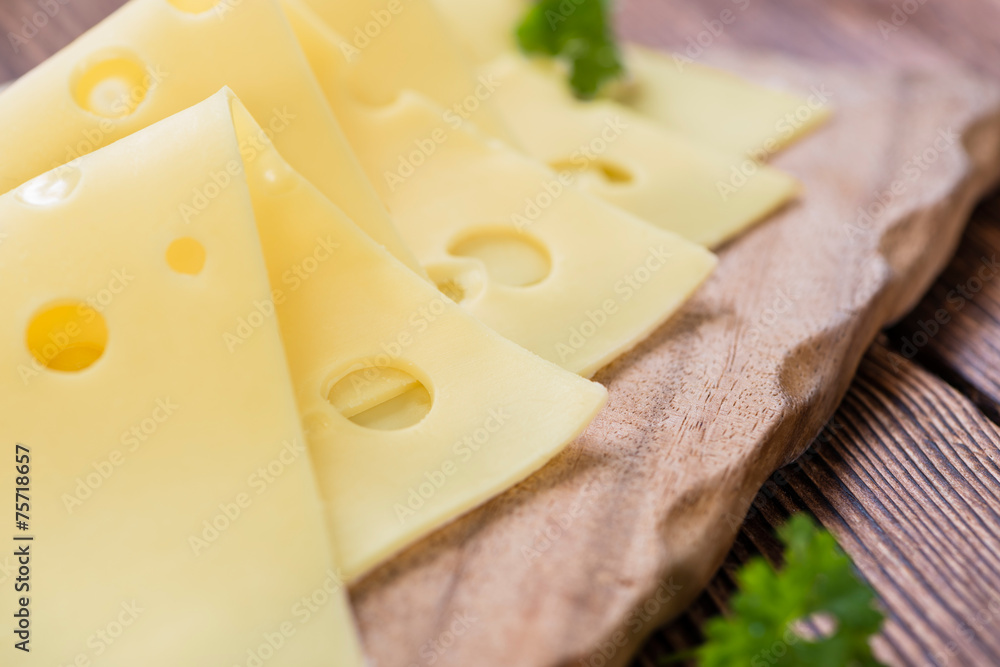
(624,530)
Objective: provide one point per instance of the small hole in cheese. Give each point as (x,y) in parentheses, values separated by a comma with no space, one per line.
(51,188)
(67,336)
(461,280)
(186,256)
(112,85)
(511,258)
(381,398)
(605,170)
(452,289)
(195,6)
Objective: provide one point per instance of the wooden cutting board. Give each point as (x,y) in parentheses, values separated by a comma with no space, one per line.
(583,560)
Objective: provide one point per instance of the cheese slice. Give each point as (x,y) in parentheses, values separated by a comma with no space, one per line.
(661,176)
(174,512)
(719,109)
(153,58)
(709,105)
(415,412)
(398,45)
(570,278)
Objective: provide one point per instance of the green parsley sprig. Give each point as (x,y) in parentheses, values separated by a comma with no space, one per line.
(580,32)
(818,581)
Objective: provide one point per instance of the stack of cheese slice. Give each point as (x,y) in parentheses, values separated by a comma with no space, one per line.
(126,313)
(286,296)
(174,510)
(389,375)
(565,275)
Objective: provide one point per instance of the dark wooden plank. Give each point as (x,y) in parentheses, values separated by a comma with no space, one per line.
(956,330)
(907,476)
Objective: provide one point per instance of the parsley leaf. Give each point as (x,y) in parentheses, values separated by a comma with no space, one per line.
(818,581)
(579,31)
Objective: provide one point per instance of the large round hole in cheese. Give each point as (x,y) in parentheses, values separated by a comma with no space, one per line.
(67,336)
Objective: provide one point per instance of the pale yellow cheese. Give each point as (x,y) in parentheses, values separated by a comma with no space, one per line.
(486,29)
(663,177)
(714,107)
(561,273)
(719,109)
(461,414)
(174,510)
(154,58)
(398,45)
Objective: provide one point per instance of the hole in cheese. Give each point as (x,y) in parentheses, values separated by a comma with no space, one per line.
(459,279)
(67,336)
(186,256)
(605,170)
(112,85)
(452,289)
(51,188)
(381,398)
(511,258)
(195,6)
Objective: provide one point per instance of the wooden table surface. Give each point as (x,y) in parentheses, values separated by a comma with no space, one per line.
(907,473)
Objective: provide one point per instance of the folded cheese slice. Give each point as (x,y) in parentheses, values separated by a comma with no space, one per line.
(565,275)
(153,58)
(711,106)
(676,183)
(414,411)
(406,45)
(166,483)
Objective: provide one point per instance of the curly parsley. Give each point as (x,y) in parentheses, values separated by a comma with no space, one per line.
(818,581)
(580,32)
